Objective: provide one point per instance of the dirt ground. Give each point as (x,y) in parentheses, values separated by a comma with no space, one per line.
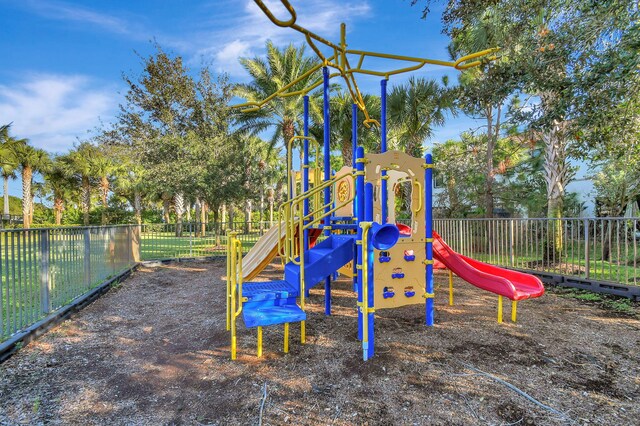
(155,351)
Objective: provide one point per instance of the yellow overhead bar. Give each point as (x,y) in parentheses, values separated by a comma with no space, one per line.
(339,60)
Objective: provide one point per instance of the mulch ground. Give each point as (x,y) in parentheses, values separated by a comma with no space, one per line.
(155,351)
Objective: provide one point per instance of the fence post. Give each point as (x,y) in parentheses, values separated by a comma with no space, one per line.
(112,249)
(45,281)
(586,247)
(87,257)
(511,251)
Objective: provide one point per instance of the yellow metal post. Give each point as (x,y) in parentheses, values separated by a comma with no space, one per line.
(286,337)
(259,342)
(514,310)
(499,309)
(450,288)
(228,284)
(303,332)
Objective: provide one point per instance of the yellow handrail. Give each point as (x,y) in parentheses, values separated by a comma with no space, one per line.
(234,285)
(292,212)
(365,284)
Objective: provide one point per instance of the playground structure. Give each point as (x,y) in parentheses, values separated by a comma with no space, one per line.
(355,211)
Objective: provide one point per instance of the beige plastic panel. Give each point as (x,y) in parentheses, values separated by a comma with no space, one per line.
(403,166)
(345,189)
(414,275)
(399,166)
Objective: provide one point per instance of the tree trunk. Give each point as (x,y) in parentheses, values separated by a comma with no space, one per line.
(137,206)
(27,175)
(346,150)
(6,213)
(247,216)
(86,198)
(489,172)
(166,205)
(223,214)
(31,206)
(557,174)
(188,212)
(231,216)
(104,194)
(198,207)
(203,219)
(261,211)
(178,203)
(58,206)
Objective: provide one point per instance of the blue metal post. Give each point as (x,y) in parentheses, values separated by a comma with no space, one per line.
(354,148)
(327,176)
(368,216)
(428,226)
(305,167)
(383,146)
(359,218)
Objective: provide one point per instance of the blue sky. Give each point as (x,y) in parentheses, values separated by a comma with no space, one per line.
(62,61)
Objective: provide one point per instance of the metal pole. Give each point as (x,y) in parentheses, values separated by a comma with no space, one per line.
(586,248)
(368,216)
(354,148)
(428,185)
(359,218)
(305,167)
(383,146)
(87,258)
(327,176)
(45,281)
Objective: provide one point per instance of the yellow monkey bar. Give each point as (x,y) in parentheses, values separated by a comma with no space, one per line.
(340,61)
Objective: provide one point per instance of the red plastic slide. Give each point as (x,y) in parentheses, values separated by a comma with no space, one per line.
(505,282)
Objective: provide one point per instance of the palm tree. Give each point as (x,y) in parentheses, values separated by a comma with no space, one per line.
(414,109)
(8,163)
(30,160)
(78,166)
(341,124)
(60,185)
(283,114)
(103,168)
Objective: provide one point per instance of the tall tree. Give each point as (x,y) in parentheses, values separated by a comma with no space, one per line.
(78,165)
(30,160)
(282,115)
(341,125)
(8,163)
(414,109)
(60,186)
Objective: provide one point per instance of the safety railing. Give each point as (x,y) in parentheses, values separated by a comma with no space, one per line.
(234,287)
(602,249)
(296,221)
(42,270)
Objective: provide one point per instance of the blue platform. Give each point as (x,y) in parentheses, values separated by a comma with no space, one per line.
(275,302)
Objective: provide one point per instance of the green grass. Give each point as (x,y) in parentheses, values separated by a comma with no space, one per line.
(166,245)
(617,304)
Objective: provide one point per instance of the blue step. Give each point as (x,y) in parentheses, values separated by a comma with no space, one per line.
(322,260)
(269,290)
(269,315)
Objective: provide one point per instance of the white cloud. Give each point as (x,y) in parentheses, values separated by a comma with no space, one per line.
(54,110)
(243,30)
(74,13)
